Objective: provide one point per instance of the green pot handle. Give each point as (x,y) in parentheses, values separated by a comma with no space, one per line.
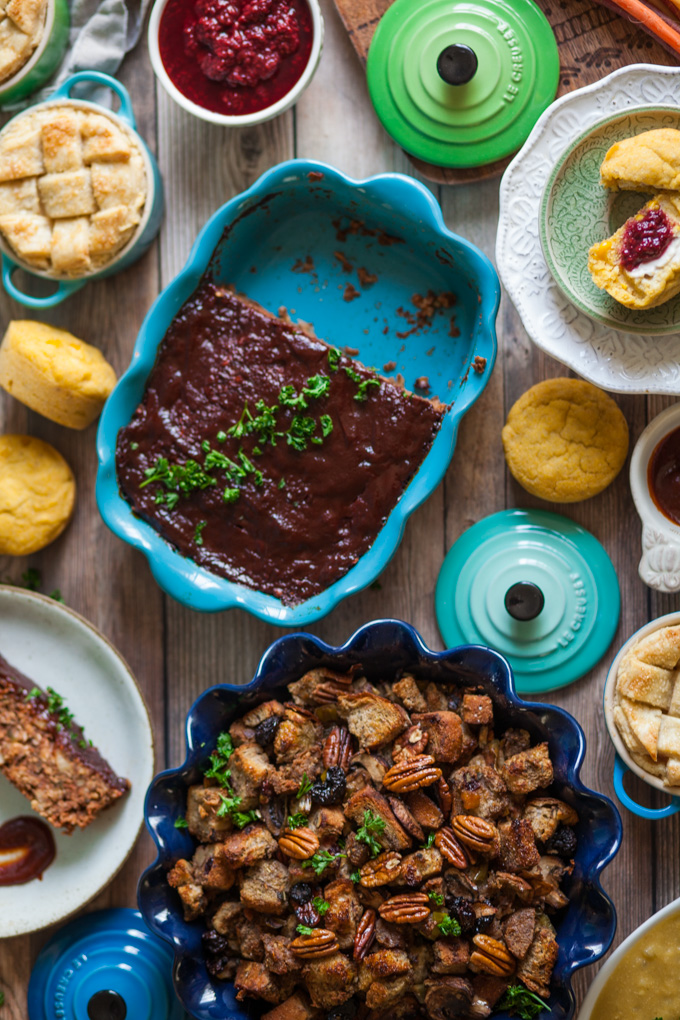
(64,289)
(125,112)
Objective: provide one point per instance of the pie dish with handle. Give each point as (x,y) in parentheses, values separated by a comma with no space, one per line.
(584,929)
(260,242)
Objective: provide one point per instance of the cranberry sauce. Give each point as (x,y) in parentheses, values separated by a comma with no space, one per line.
(663,476)
(26,850)
(646,238)
(235,56)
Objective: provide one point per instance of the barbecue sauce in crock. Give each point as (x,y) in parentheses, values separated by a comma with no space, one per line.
(26,850)
(663,476)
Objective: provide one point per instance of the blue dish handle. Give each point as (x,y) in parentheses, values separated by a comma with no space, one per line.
(125,112)
(620,769)
(64,289)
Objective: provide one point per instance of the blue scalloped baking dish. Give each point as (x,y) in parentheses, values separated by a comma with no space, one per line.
(585,929)
(259,242)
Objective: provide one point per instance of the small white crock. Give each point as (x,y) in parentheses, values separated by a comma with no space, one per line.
(623,761)
(608,968)
(247,119)
(660,564)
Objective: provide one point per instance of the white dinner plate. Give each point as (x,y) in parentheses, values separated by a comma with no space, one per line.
(615,360)
(55,646)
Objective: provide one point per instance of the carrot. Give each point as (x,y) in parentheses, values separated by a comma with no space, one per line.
(649,19)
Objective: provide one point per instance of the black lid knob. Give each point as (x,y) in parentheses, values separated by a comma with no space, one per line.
(107,1005)
(524,600)
(457,64)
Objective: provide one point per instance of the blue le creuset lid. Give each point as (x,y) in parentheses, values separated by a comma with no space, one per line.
(104,966)
(535,586)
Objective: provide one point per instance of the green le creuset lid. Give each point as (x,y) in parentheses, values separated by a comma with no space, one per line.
(537,588)
(461,84)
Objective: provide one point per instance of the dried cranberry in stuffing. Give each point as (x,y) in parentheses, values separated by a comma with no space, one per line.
(347,1011)
(214,943)
(563,842)
(265,731)
(300,893)
(332,790)
(308,914)
(464,913)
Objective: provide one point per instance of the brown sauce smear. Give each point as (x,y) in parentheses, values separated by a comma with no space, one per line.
(26,850)
(663,476)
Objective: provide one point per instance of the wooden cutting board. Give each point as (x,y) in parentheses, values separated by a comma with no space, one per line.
(592,41)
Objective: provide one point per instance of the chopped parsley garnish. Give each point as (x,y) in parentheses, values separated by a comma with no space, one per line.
(436,897)
(134,446)
(34,692)
(429,841)
(363,384)
(317,386)
(297,820)
(449,926)
(230,494)
(2,998)
(242,426)
(219,760)
(305,786)
(264,424)
(523,1003)
(282,483)
(181,823)
(198,532)
(31,579)
(333,358)
(57,596)
(373,826)
(229,807)
(304,929)
(321,905)
(300,431)
(177,479)
(320,861)
(57,706)
(221,436)
(326,423)
(355,876)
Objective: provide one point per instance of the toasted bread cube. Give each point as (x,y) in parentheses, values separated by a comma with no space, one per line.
(264,887)
(299,730)
(408,693)
(393,836)
(477,710)
(373,720)
(249,765)
(445,732)
(528,770)
(203,821)
(241,849)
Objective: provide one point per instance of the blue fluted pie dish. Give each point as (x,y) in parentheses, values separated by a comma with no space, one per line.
(585,928)
(277,243)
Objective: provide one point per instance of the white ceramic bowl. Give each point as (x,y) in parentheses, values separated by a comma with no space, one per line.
(605,972)
(54,646)
(243,120)
(670,620)
(660,564)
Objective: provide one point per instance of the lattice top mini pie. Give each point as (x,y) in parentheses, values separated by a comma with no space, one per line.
(72,188)
(22,23)
(647,712)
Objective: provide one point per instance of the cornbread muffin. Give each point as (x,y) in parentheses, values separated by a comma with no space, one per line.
(646,162)
(565,440)
(647,703)
(639,265)
(37,493)
(54,373)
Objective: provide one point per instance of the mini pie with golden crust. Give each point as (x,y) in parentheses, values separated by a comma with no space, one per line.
(72,189)
(22,23)
(647,703)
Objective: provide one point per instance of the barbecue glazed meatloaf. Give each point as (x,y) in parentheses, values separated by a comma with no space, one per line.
(377,851)
(263,454)
(45,754)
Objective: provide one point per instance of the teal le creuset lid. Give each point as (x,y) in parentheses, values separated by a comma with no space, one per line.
(104,966)
(534,586)
(460,83)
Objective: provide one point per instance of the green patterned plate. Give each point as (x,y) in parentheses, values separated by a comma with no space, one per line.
(576,212)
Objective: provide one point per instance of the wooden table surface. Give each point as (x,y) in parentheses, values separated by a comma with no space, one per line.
(176,653)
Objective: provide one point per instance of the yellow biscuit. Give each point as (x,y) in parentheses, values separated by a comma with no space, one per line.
(646,162)
(565,440)
(54,373)
(37,493)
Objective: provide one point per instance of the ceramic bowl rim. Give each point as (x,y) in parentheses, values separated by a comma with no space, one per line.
(59,607)
(25,69)
(181,577)
(609,965)
(149,200)
(545,233)
(240,120)
(657,429)
(272,658)
(669,620)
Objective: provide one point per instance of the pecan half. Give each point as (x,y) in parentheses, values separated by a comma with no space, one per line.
(328,691)
(450,848)
(445,796)
(363,940)
(491,957)
(382,870)
(299,843)
(476,833)
(410,743)
(311,947)
(411,773)
(408,908)
(338,748)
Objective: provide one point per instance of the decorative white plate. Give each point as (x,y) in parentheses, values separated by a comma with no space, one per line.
(615,360)
(55,646)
